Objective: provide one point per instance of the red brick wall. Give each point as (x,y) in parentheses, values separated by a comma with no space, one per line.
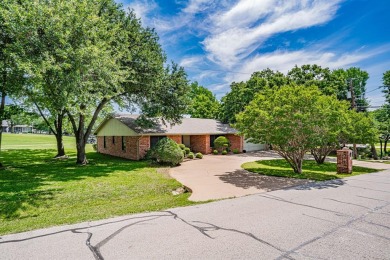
(144,145)
(131,151)
(200,143)
(236,142)
(176,138)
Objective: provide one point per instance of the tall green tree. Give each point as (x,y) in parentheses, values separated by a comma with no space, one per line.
(11,76)
(361,128)
(99,54)
(203,102)
(241,94)
(331,128)
(294,119)
(314,75)
(382,119)
(356,79)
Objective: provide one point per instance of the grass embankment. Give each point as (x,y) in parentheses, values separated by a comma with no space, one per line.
(37,191)
(311,170)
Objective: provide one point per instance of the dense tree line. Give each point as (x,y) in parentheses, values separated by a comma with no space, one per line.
(71,60)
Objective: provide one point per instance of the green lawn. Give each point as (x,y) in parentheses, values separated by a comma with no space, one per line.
(34,141)
(37,191)
(311,170)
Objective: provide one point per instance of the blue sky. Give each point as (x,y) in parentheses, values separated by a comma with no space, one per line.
(218,42)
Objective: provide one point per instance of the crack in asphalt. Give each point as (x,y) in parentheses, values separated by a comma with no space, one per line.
(93,249)
(371,198)
(215,227)
(326,220)
(70,230)
(364,188)
(303,205)
(349,203)
(325,234)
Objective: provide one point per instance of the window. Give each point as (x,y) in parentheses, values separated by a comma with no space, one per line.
(123,143)
(104,142)
(113,140)
(212,138)
(154,140)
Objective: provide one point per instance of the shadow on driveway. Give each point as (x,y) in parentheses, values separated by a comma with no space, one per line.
(244,179)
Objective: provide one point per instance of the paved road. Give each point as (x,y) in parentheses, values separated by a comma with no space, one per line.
(221,177)
(343,219)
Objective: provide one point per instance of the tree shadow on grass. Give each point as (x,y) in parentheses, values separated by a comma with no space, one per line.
(25,179)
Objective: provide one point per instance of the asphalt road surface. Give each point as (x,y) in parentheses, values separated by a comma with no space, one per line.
(344,219)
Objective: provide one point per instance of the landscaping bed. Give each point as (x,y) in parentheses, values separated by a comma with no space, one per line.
(311,170)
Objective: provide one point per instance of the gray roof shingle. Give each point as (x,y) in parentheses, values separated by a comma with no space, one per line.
(189,126)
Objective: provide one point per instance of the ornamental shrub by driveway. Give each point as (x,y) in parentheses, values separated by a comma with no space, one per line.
(167,151)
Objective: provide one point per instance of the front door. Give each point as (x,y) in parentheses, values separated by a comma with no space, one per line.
(187,140)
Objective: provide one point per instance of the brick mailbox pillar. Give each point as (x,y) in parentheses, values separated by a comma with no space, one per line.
(344,161)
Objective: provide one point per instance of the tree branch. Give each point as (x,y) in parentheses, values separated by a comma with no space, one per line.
(94,117)
(44,118)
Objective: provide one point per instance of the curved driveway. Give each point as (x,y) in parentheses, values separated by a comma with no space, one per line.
(220,177)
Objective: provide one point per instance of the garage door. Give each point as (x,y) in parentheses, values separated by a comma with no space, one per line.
(253,147)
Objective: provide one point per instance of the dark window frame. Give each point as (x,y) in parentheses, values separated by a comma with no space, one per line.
(113,140)
(104,142)
(155,138)
(123,144)
(212,139)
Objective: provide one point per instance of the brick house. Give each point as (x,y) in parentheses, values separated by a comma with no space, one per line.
(120,136)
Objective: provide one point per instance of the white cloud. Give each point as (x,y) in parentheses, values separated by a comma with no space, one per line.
(283,61)
(191,61)
(195,6)
(142,8)
(236,33)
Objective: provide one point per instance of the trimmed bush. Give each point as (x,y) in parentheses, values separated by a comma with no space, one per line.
(182,146)
(184,153)
(221,143)
(94,146)
(167,151)
(236,151)
(215,152)
(224,152)
(187,150)
(191,156)
(199,155)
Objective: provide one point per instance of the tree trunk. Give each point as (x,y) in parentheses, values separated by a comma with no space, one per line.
(374,153)
(380,141)
(81,156)
(355,152)
(60,144)
(385,145)
(83,133)
(320,153)
(298,166)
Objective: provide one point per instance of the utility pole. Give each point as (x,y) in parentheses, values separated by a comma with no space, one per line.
(353,102)
(353,107)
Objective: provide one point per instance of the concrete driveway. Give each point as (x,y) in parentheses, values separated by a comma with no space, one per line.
(220,177)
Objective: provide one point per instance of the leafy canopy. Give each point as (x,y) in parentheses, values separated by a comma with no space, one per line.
(293,119)
(203,103)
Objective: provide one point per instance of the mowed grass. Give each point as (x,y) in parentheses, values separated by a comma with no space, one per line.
(311,170)
(37,191)
(34,141)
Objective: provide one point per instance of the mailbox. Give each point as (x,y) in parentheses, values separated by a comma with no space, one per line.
(344,161)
